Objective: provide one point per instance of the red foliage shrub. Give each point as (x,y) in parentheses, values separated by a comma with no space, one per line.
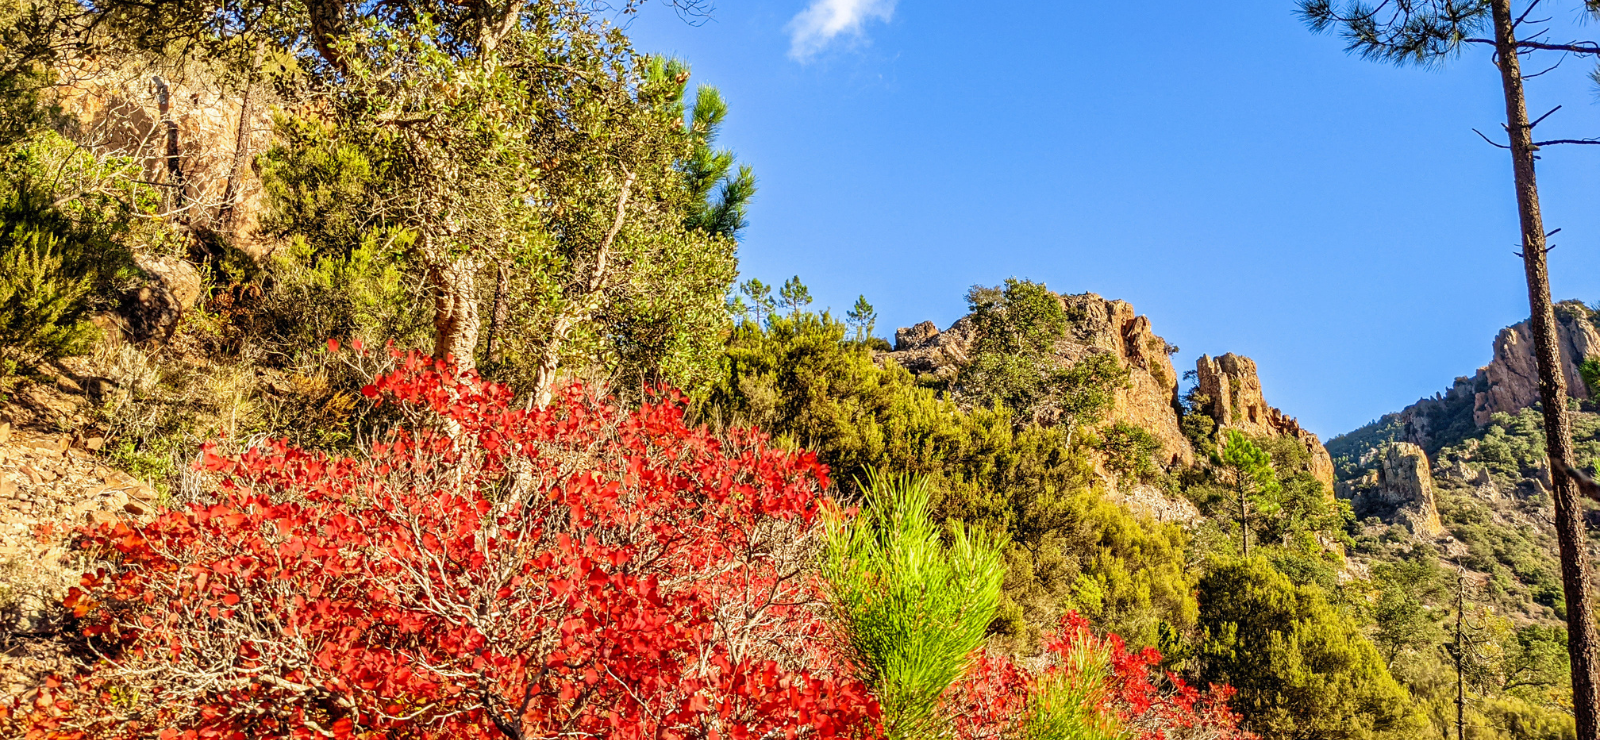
(484,571)
(1123,694)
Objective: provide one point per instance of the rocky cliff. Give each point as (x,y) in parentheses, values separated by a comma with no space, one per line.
(1510,382)
(1400,489)
(1230,391)
(1100,325)
(191,135)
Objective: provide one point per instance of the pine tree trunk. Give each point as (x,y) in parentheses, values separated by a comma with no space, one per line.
(1461,686)
(1552,384)
(1244,522)
(177,184)
(455,303)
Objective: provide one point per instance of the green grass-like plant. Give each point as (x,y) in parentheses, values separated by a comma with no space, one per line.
(915,603)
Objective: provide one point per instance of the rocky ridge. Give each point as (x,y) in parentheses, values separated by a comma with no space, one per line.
(1231,389)
(1150,401)
(1507,384)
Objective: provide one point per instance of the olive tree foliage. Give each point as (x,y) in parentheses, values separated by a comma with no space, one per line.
(520,139)
(547,153)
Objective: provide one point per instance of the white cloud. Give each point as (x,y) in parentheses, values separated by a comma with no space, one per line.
(825,20)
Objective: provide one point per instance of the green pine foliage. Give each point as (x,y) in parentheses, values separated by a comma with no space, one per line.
(719,193)
(367,293)
(1302,668)
(68,227)
(916,599)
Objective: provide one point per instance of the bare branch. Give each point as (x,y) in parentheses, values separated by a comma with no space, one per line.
(1491,141)
(1540,119)
(1577,47)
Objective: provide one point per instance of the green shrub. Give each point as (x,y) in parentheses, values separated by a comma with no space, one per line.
(43,304)
(1013,361)
(1302,668)
(367,293)
(1128,450)
(915,608)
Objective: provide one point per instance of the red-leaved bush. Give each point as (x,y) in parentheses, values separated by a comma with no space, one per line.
(484,571)
(1094,685)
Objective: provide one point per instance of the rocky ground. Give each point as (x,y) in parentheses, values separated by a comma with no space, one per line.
(50,484)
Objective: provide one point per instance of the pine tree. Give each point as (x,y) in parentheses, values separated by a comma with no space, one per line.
(720,194)
(862,317)
(1431,32)
(1253,480)
(761,302)
(794,295)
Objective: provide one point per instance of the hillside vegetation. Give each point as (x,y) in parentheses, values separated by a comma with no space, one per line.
(421,327)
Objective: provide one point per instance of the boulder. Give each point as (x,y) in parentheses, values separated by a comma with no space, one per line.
(910,337)
(195,135)
(172,287)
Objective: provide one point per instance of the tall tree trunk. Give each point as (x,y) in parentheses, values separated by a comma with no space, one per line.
(455,304)
(1244,521)
(1461,685)
(1552,384)
(241,145)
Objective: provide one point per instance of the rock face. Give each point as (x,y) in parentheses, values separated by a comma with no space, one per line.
(925,350)
(1509,384)
(1150,400)
(1233,399)
(1151,502)
(1400,489)
(1096,325)
(1512,377)
(195,137)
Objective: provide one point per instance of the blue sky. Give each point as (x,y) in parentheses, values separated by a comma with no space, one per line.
(1246,184)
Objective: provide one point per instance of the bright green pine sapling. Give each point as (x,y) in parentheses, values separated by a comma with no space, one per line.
(1253,479)
(761,303)
(916,605)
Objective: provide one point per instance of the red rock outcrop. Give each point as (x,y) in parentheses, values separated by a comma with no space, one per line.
(185,134)
(1510,381)
(1231,389)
